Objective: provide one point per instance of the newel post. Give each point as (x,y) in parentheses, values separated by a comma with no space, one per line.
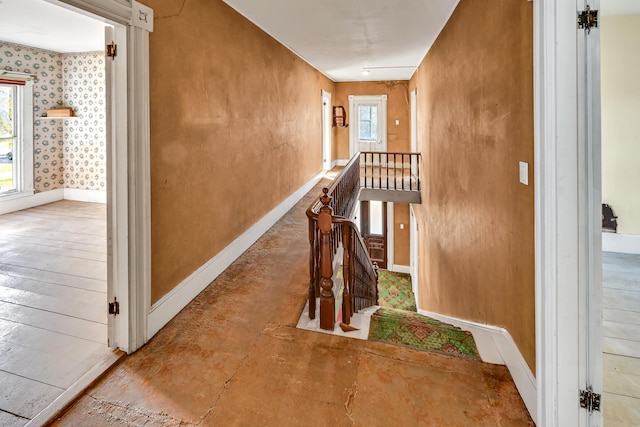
(327,299)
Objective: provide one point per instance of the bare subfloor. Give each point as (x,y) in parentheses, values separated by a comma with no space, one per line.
(234,357)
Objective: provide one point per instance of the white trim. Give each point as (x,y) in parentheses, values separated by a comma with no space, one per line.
(414,120)
(496,346)
(339,162)
(327,130)
(31,200)
(117,10)
(414,255)
(168,306)
(401,268)
(92,196)
(623,243)
(76,389)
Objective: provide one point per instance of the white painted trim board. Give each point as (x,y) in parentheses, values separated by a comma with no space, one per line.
(92,196)
(496,346)
(31,201)
(168,306)
(622,243)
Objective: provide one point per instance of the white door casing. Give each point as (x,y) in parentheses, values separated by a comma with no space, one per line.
(327,122)
(561,225)
(379,143)
(129,197)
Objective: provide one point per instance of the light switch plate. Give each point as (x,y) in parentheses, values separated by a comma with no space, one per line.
(397,122)
(524,173)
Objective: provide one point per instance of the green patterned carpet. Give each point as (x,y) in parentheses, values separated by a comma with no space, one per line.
(394,291)
(397,322)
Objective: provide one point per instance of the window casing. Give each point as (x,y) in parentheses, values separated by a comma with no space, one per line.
(16,139)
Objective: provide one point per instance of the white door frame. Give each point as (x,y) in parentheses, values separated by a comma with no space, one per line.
(561,198)
(414,254)
(327,126)
(354,100)
(130,242)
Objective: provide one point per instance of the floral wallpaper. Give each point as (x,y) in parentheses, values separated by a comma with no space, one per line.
(48,154)
(67,153)
(85,162)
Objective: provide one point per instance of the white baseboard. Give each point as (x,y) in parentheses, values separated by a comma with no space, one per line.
(496,345)
(29,201)
(401,268)
(93,196)
(623,243)
(169,305)
(339,162)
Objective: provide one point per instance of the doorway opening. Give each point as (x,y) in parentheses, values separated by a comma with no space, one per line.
(54,264)
(368,118)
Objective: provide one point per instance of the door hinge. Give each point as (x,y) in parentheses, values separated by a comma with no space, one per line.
(589,400)
(588,19)
(112,50)
(114,307)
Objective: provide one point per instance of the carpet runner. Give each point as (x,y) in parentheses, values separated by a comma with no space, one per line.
(397,322)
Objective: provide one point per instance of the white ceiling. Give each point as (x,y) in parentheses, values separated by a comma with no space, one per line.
(338,37)
(341,37)
(44,25)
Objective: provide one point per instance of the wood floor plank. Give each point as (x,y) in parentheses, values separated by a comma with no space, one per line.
(92,331)
(621,347)
(57,344)
(41,366)
(11,247)
(10,420)
(622,384)
(71,294)
(621,409)
(59,264)
(60,244)
(49,234)
(621,299)
(23,396)
(622,316)
(87,311)
(622,364)
(99,285)
(620,330)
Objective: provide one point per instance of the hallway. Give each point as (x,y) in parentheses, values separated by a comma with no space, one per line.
(234,356)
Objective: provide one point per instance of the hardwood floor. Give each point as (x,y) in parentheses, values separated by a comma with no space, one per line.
(621,339)
(53,319)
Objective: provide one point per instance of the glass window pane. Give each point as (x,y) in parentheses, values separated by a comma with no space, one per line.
(374,123)
(365,130)
(7,182)
(376,219)
(6,111)
(365,112)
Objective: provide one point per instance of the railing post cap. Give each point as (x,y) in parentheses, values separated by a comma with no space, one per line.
(325,199)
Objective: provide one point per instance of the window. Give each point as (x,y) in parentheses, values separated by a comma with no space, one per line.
(368,115)
(16,137)
(8,133)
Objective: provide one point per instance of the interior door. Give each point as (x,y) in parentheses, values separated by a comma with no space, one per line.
(373,227)
(591,209)
(368,128)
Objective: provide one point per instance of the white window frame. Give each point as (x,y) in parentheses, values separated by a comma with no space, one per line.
(23,152)
(354,102)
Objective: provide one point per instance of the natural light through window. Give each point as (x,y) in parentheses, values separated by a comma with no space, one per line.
(368,122)
(8,136)
(376,218)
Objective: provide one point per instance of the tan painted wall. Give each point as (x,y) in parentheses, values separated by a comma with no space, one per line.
(620,44)
(235,129)
(475,122)
(398,137)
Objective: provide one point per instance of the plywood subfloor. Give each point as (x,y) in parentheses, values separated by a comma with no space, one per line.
(53,320)
(621,339)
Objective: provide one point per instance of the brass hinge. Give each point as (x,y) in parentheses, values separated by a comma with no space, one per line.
(588,19)
(114,307)
(589,400)
(112,50)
